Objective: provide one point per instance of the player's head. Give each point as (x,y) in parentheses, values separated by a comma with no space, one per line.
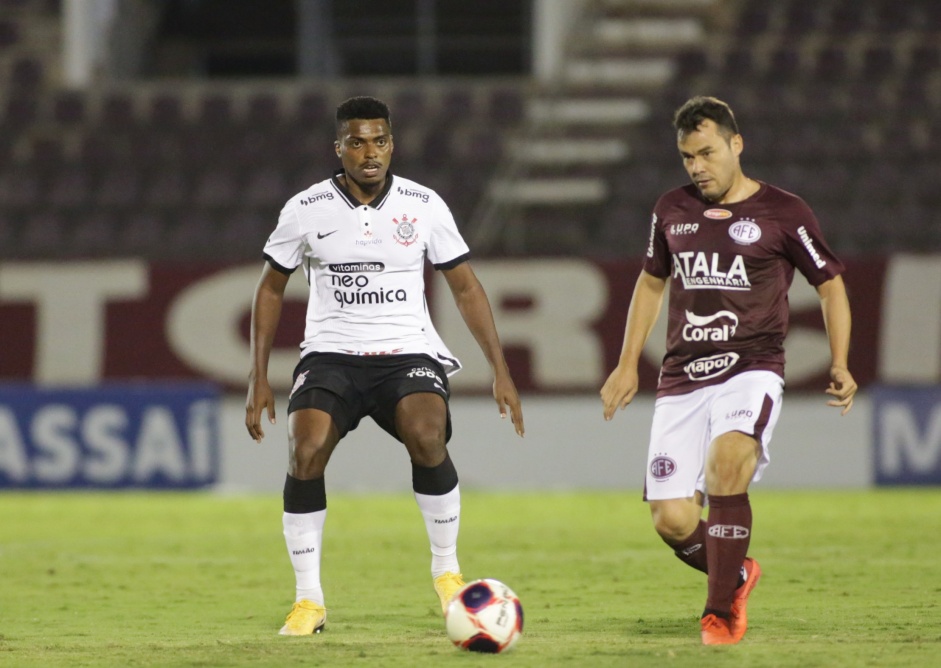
(694,111)
(361,108)
(364,140)
(710,145)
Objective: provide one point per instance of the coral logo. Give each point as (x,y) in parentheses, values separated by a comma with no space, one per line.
(700,327)
(662,467)
(717,214)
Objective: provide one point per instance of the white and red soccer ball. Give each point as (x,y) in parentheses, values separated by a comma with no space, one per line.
(484,616)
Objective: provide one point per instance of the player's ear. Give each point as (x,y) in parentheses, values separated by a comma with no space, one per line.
(737,144)
(336,147)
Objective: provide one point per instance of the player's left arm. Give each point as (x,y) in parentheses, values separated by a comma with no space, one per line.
(838,321)
(474,306)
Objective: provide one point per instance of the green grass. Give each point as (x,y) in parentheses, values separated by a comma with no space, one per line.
(850,579)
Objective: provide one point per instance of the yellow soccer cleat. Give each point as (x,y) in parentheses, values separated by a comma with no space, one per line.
(305,618)
(446,586)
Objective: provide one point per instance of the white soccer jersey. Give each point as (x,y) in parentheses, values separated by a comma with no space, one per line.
(365,266)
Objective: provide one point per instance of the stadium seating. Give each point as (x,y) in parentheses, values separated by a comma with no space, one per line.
(838,100)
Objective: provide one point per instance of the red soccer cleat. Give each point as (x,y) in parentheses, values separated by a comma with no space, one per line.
(715,631)
(739,618)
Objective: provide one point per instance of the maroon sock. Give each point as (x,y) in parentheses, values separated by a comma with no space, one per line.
(728,534)
(692,550)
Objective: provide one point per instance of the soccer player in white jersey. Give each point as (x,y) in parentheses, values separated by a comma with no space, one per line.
(361,238)
(729,246)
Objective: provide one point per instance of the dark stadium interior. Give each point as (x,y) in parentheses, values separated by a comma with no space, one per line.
(192,155)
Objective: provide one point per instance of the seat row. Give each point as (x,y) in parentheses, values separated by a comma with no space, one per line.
(839,17)
(261,109)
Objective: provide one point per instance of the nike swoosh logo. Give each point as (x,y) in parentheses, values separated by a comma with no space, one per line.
(321,236)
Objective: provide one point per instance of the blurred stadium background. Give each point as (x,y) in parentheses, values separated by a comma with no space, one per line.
(146,147)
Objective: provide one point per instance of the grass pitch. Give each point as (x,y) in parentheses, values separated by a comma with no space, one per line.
(850,579)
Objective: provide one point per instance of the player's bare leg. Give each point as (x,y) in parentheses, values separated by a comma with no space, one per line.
(312,437)
(421,422)
(679,523)
(730,465)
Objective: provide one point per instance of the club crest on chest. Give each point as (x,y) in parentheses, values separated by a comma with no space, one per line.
(405,230)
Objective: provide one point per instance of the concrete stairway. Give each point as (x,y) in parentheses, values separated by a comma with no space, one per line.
(577,133)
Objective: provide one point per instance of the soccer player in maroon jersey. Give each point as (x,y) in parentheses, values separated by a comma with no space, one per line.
(729,245)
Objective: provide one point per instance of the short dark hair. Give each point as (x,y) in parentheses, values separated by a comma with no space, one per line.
(364,107)
(701,108)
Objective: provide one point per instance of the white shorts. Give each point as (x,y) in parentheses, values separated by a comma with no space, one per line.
(684,425)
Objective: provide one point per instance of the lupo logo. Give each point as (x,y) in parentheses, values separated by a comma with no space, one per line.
(680,229)
(740,414)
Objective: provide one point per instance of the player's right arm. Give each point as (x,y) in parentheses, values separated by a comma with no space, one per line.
(838,322)
(621,386)
(266,313)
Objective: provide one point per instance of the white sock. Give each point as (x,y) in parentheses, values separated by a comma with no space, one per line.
(442,520)
(303,534)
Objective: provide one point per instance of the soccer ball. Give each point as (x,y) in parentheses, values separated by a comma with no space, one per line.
(484,616)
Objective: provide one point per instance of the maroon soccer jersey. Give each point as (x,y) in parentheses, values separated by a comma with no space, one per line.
(730,267)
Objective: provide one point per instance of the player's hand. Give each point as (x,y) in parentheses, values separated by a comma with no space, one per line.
(619,390)
(505,394)
(843,387)
(260,397)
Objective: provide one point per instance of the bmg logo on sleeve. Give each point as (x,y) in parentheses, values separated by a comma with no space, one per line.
(138,436)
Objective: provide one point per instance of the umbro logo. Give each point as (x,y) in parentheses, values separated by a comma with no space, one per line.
(321,235)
